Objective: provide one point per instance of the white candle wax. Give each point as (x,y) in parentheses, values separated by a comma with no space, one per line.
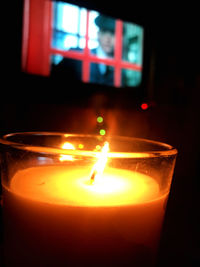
(57,216)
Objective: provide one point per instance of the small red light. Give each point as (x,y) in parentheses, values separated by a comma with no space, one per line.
(144,106)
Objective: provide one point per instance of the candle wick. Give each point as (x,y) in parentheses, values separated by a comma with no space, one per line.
(94,173)
(42,183)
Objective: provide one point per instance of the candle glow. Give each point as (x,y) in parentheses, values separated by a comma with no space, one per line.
(67,145)
(101,163)
(64,185)
(79,207)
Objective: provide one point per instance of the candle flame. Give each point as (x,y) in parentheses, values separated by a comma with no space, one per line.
(67,145)
(101,162)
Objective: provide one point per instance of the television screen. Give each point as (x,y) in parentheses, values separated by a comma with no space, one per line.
(95,48)
(73,42)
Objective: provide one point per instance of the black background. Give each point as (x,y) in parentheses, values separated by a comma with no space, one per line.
(171,87)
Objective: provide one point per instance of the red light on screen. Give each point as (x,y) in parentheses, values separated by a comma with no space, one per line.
(144,106)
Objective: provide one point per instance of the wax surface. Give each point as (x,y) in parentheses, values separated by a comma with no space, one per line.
(71,186)
(55,217)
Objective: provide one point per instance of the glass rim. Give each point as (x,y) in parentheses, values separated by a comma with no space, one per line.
(167,150)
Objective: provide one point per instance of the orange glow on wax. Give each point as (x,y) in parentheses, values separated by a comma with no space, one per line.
(65,185)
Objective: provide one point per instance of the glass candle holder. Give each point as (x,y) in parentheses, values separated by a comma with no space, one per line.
(83,200)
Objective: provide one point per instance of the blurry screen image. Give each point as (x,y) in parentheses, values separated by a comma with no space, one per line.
(66,69)
(102,74)
(112,48)
(131,77)
(132,43)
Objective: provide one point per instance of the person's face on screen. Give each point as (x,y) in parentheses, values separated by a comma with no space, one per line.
(107,41)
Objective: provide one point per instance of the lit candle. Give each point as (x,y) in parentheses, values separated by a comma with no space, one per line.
(63,185)
(65,215)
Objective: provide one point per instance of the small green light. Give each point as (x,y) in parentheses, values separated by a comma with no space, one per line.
(99,119)
(102,132)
